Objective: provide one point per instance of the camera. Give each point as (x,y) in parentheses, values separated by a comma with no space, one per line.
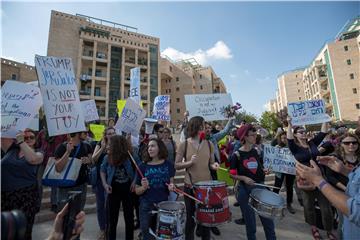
(13,225)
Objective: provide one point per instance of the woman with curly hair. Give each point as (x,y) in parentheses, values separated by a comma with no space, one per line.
(117,175)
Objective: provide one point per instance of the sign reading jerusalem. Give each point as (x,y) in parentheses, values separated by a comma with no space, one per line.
(209,106)
(308,112)
(279,159)
(60,95)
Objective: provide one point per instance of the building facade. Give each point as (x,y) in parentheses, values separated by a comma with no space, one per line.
(186,77)
(103,53)
(12,70)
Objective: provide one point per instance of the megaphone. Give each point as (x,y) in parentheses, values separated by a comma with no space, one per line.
(149,125)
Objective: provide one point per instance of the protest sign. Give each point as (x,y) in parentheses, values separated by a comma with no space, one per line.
(97,130)
(279,159)
(308,112)
(161,108)
(89,110)
(121,104)
(209,106)
(135,93)
(131,118)
(60,95)
(20,103)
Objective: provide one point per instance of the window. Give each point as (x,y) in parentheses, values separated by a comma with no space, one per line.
(357,106)
(97,91)
(351,75)
(165,90)
(354,91)
(13,76)
(177,79)
(169,80)
(177,99)
(298,90)
(170,68)
(178,110)
(201,87)
(348,62)
(346,48)
(299,98)
(297,83)
(177,89)
(169,91)
(200,76)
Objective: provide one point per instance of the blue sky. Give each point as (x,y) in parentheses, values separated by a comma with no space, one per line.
(248,44)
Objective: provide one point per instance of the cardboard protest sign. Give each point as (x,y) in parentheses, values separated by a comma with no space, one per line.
(161,108)
(89,110)
(279,159)
(209,106)
(60,95)
(20,103)
(97,130)
(121,104)
(131,118)
(135,93)
(308,112)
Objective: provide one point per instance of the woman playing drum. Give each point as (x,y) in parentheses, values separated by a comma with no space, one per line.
(247,168)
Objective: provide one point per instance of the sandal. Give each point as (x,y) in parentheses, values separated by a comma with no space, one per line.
(316,234)
(331,236)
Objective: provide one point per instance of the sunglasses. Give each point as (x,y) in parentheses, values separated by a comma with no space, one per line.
(29,138)
(161,131)
(301,132)
(348,143)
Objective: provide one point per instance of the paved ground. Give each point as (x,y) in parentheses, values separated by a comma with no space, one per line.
(290,228)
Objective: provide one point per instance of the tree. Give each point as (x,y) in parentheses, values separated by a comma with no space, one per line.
(270,121)
(248,117)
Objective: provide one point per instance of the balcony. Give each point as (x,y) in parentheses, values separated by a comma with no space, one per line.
(85,77)
(88,54)
(324,92)
(144,97)
(100,75)
(142,61)
(130,60)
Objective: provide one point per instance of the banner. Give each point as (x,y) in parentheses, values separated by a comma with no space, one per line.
(89,110)
(60,95)
(131,119)
(279,159)
(135,93)
(20,103)
(308,112)
(121,104)
(97,130)
(161,110)
(209,106)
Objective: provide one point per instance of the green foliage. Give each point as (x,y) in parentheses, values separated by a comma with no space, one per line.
(248,117)
(270,121)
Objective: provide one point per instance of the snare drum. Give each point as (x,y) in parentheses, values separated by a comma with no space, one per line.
(267,204)
(215,209)
(170,220)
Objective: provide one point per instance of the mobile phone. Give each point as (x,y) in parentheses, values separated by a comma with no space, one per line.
(74,208)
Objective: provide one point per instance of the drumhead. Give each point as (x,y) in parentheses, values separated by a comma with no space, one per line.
(267,197)
(171,206)
(212,183)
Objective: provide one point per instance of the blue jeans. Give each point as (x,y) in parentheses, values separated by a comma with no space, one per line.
(147,220)
(249,215)
(100,204)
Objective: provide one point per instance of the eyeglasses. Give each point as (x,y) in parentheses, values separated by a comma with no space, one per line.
(161,131)
(348,143)
(29,138)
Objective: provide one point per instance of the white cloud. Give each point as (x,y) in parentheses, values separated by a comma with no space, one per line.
(219,51)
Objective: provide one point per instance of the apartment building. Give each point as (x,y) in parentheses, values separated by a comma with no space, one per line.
(186,77)
(12,70)
(333,75)
(103,52)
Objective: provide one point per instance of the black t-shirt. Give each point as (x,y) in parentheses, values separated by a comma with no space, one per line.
(84,151)
(248,165)
(120,175)
(329,148)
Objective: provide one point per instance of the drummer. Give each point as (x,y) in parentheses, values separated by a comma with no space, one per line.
(198,156)
(153,189)
(247,168)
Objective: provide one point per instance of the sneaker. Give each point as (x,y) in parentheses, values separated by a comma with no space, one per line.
(215,231)
(101,235)
(240,221)
(236,204)
(136,224)
(291,209)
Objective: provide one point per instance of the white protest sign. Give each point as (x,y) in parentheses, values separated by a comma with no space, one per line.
(135,93)
(34,124)
(131,119)
(20,103)
(209,106)
(279,159)
(60,95)
(161,108)
(308,112)
(89,110)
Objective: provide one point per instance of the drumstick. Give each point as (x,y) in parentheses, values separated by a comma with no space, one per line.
(264,185)
(224,169)
(185,194)
(136,166)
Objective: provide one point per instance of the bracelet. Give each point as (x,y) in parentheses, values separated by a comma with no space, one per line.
(322,184)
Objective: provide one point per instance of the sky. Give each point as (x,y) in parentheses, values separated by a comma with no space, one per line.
(248,44)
